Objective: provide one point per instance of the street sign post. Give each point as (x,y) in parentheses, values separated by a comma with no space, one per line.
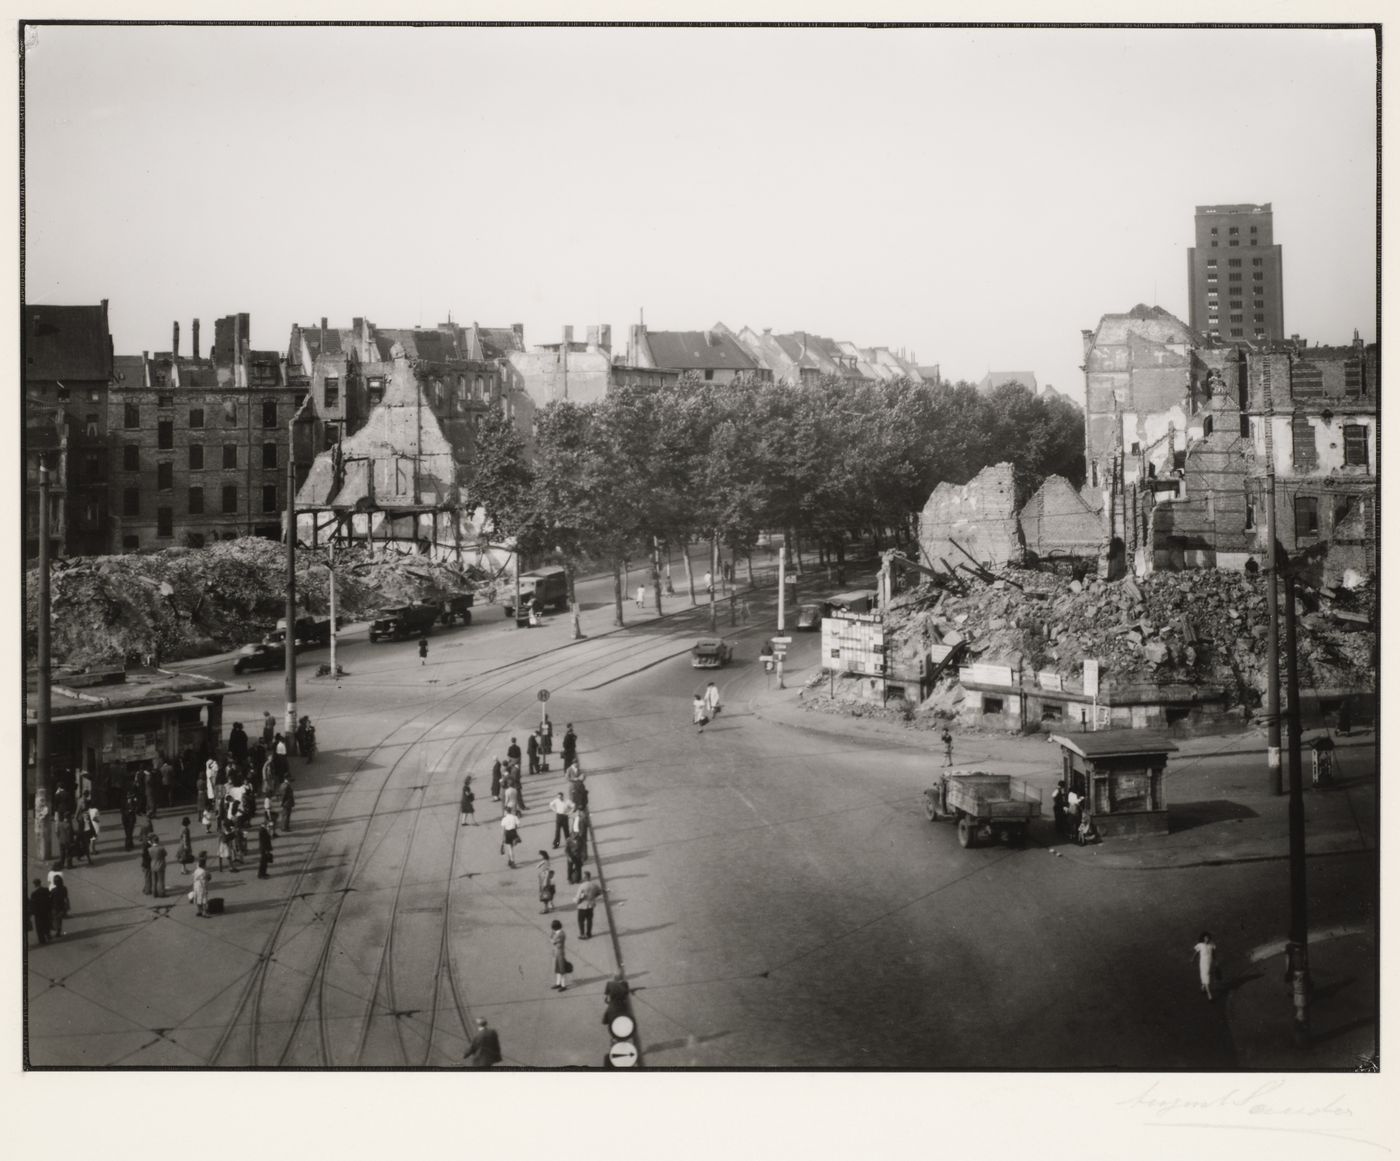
(623,1054)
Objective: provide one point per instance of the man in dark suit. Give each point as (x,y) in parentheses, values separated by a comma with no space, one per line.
(41,910)
(485,1047)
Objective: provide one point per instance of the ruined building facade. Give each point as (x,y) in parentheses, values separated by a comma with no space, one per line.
(396,415)
(67,353)
(1180,432)
(199,446)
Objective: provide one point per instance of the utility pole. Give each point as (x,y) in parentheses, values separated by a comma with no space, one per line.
(1271,567)
(1297,951)
(330,568)
(290,642)
(714,574)
(43,772)
(782,584)
(516,607)
(1272,563)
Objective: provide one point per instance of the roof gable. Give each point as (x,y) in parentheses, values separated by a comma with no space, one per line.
(698,351)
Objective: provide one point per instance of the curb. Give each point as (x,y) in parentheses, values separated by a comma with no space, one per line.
(615,939)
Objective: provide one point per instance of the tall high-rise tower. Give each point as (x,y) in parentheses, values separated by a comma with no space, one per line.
(1236,274)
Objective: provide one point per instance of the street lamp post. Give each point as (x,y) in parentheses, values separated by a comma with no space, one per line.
(43,772)
(290,642)
(330,568)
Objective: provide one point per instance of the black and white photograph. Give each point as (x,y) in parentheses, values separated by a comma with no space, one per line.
(804,548)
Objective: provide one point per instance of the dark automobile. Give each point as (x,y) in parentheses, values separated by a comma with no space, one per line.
(710,653)
(261,655)
(809,617)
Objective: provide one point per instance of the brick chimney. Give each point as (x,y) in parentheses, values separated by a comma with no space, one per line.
(195,338)
(237,350)
(605,337)
(592,338)
(568,336)
(175,340)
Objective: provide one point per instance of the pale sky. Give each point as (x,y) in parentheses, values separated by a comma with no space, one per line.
(974,196)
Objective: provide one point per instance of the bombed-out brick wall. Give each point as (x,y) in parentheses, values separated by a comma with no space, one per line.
(979,516)
(1056,522)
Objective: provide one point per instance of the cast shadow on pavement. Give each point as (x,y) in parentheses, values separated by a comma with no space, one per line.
(1231,984)
(1343,1029)
(611,860)
(628,932)
(686,1042)
(1188,815)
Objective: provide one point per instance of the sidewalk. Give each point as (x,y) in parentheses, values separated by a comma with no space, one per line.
(1219,814)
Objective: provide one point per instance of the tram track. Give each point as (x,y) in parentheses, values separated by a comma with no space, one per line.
(253,1000)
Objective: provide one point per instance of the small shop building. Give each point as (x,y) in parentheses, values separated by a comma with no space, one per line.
(1120,774)
(112,723)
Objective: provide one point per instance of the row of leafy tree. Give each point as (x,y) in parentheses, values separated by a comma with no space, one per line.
(722,462)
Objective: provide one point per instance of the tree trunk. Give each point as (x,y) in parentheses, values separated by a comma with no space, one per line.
(656,572)
(689,572)
(617,592)
(670,588)
(748,558)
(714,574)
(573,603)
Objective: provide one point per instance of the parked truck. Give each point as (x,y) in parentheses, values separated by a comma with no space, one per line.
(986,806)
(310,631)
(548,586)
(404,621)
(458,608)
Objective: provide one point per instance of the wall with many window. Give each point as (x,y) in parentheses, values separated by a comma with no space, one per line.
(196,464)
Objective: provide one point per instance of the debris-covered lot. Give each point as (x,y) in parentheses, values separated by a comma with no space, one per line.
(1203,627)
(184,602)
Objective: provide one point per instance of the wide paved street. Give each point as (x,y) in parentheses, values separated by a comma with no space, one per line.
(778,896)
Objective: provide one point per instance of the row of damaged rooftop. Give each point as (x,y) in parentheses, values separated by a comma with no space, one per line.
(1180,440)
(184,448)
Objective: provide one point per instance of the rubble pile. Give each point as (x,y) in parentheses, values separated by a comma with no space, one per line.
(184,602)
(1203,627)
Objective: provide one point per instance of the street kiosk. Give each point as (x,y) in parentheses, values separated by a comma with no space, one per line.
(1120,775)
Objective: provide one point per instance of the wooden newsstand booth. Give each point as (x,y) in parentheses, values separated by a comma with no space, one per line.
(1120,773)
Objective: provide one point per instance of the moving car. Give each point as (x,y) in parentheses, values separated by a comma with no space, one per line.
(809,617)
(710,653)
(261,655)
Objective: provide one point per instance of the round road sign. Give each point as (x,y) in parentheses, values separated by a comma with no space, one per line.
(622,1026)
(623,1054)
(543,695)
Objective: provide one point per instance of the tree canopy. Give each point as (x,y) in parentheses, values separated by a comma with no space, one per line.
(699,459)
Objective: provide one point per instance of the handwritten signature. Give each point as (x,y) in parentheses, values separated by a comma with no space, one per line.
(1266,1099)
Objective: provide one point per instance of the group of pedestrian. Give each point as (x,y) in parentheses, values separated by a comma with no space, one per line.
(76,832)
(46,906)
(705,707)
(569,807)
(1073,819)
